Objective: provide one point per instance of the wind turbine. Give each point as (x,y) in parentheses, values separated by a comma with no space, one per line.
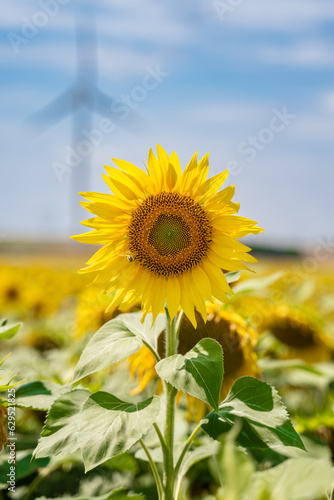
(81,100)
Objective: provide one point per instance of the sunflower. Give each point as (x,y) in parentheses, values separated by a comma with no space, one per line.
(299,332)
(91,310)
(229,329)
(10,289)
(166,235)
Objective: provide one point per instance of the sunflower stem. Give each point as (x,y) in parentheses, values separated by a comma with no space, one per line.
(180,460)
(160,436)
(186,447)
(171,348)
(154,469)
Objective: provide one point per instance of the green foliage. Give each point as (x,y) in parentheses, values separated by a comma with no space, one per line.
(117,340)
(59,435)
(109,426)
(295,479)
(124,462)
(8,331)
(297,373)
(257,284)
(6,380)
(24,466)
(193,457)
(233,276)
(302,478)
(198,373)
(232,468)
(119,494)
(264,420)
(39,395)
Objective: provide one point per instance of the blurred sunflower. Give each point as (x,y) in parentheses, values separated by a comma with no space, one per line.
(167,235)
(91,310)
(229,329)
(300,333)
(10,289)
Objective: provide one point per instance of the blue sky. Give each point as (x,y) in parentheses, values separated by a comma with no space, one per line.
(230,69)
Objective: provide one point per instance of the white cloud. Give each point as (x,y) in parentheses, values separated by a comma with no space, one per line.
(115,62)
(147,21)
(326,100)
(280,15)
(314,127)
(222,112)
(19,13)
(310,53)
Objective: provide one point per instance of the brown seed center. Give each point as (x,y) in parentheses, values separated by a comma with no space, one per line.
(169,234)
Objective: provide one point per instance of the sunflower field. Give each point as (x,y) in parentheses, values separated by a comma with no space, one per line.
(175,365)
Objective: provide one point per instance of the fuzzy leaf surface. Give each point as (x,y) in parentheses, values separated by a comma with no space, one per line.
(198,373)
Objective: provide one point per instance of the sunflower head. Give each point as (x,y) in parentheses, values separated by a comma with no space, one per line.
(300,333)
(10,289)
(166,235)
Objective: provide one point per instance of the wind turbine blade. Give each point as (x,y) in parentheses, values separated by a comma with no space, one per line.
(53,112)
(120,114)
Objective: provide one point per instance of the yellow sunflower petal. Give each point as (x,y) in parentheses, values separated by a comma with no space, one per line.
(135,172)
(227,242)
(159,296)
(227,264)
(119,189)
(201,175)
(219,200)
(107,198)
(122,178)
(217,279)
(163,158)
(189,173)
(186,302)
(231,208)
(233,223)
(211,186)
(196,295)
(173,296)
(171,177)
(100,253)
(93,237)
(155,171)
(117,299)
(105,226)
(202,282)
(174,160)
(105,210)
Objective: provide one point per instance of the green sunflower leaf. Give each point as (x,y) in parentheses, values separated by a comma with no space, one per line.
(24,466)
(119,494)
(233,276)
(265,422)
(8,331)
(304,478)
(39,395)
(257,400)
(109,426)
(257,284)
(116,340)
(198,373)
(194,456)
(59,435)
